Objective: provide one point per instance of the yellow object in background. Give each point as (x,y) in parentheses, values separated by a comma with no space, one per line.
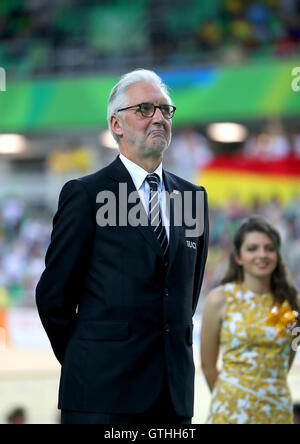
(246,178)
(283,317)
(79,159)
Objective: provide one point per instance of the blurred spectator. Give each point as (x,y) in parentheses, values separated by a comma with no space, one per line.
(189,154)
(297,413)
(12,213)
(268,146)
(235,209)
(17,416)
(273,212)
(22,253)
(296,145)
(48,37)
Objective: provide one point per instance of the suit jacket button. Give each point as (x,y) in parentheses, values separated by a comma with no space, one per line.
(166,292)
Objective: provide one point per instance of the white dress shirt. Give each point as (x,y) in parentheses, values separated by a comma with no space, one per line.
(138,175)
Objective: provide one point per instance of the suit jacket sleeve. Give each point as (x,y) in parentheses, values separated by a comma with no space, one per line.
(201,255)
(61,284)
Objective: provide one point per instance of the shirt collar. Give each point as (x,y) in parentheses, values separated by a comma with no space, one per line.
(137,173)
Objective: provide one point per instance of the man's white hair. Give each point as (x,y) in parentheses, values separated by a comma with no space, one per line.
(118,98)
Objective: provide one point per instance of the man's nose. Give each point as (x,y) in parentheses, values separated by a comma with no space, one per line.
(158,116)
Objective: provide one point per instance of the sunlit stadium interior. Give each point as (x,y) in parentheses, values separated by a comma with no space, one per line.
(233,70)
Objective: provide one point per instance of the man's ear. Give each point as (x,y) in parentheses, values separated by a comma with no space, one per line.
(116,125)
(237,258)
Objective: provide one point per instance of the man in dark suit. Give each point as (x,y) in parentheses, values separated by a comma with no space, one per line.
(118,293)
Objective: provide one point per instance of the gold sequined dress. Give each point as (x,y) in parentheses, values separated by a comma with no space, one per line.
(252,385)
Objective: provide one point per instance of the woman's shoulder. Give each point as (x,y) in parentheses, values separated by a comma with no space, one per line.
(216,296)
(217,303)
(223,293)
(226,288)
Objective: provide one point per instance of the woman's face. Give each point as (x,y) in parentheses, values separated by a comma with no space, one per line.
(258,255)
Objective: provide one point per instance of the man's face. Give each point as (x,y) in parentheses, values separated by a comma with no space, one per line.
(144,136)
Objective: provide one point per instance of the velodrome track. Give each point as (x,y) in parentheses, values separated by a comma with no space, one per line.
(30,378)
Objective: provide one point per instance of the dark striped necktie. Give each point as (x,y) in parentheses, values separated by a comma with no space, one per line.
(155,214)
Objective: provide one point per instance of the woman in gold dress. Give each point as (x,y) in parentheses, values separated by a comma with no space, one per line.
(251,319)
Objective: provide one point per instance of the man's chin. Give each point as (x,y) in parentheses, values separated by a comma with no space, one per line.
(155,149)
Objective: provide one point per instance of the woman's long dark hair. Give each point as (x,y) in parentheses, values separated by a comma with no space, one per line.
(281,288)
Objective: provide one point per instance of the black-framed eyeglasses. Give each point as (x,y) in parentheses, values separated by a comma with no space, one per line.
(148,109)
